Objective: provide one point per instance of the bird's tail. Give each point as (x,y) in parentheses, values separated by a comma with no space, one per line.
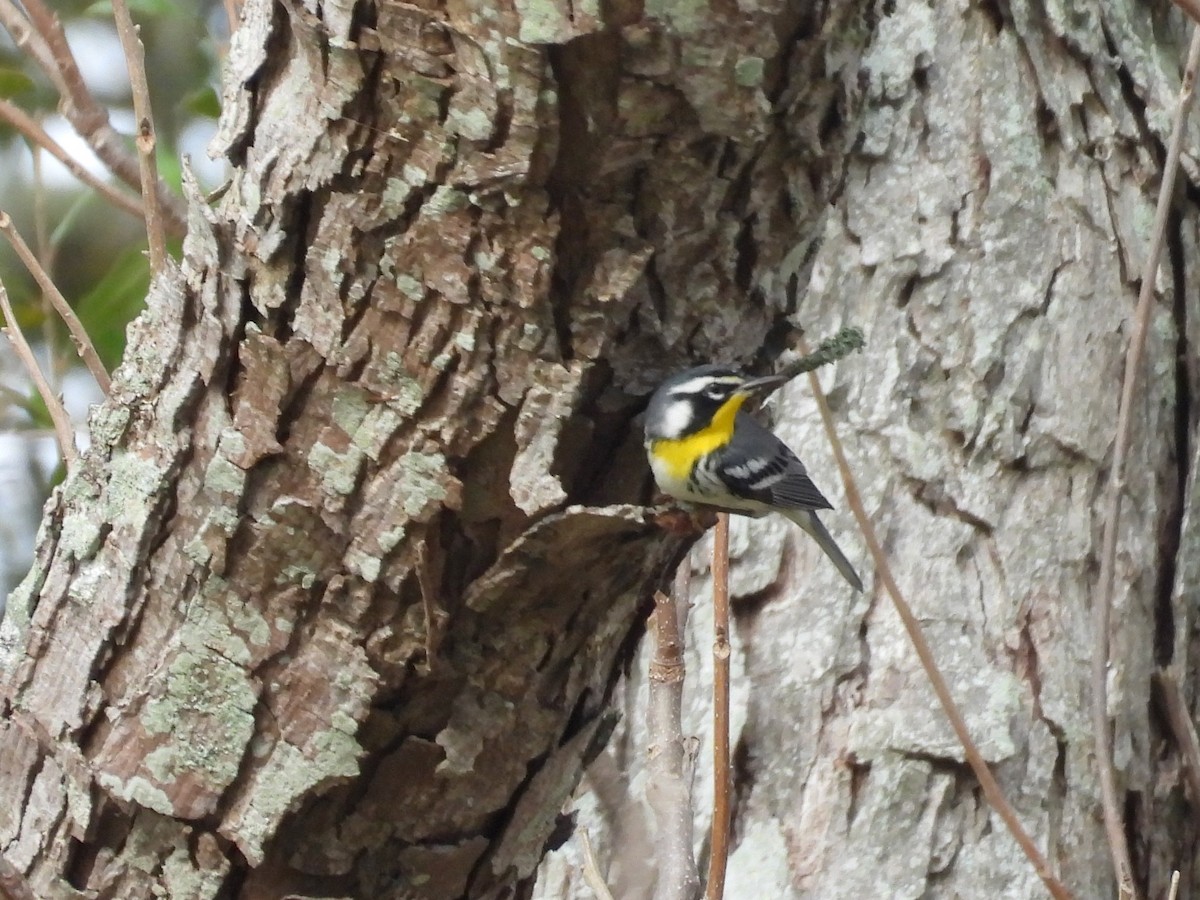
(808,520)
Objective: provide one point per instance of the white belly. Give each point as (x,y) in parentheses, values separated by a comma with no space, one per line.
(703,487)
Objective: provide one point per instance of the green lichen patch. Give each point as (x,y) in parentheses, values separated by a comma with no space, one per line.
(185,878)
(338,471)
(224,478)
(682,16)
(133,483)
(446,199)
(421,481)
(203,712)
(376,430)
(349,408)
(137,790)
(748,71)
(286,778)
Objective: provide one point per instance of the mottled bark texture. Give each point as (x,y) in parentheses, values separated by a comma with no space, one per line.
(999,178)
(334,604)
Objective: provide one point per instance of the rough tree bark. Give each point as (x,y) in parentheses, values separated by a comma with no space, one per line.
(998,187)
(335,603)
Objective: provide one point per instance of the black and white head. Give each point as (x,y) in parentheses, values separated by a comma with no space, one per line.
(687,402)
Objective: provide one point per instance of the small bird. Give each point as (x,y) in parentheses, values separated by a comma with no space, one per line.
(704,448)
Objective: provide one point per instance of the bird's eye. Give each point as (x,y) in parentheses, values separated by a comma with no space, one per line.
(714,392)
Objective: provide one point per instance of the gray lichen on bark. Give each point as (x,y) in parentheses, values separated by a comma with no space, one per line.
(357,520)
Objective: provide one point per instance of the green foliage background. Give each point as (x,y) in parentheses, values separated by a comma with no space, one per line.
(97,251)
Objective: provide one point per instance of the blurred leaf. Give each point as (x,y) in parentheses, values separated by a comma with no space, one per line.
(109,306)
(203,102)
(13,82)
(70,9)
(170,168)
(35,407)
(103,8)
(79,205)
(30,313)
(26,300)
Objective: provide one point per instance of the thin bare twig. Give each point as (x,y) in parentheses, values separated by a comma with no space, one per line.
(1114,825)
(669,787)
(79,336)
(591,871)
(719,855)
(430,562)
(975,760)
(58,415)
(1180,719)
(34,132)
(1191,9)
(1174,885)
(28,41)
(45,255)
(38,32)
(233,14)
(135,60)
(846,341)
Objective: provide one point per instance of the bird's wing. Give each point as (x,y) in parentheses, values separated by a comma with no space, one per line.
(759,466)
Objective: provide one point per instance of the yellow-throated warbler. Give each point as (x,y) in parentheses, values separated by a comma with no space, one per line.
(704,449)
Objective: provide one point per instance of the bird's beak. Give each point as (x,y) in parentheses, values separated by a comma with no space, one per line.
(761,386)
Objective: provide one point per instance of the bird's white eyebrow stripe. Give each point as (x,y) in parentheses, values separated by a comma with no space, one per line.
(697,384)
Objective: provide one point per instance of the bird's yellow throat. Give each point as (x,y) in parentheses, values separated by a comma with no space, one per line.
(680,455)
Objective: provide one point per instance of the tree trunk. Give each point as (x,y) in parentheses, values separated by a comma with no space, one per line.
(336,602)
(988,231)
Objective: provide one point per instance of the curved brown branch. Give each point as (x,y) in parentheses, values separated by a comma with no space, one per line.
(1114,825)
(669,788)
(719,856)
(79,336)
(1179,717)
(591,869)
(47,44)
(58,415)
(146,140)
(979,766)
(29,127)
(1191,9)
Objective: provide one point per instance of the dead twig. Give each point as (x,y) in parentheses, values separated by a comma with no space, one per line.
(79,336)
(58,415)
(669,787)
(28,41)
(36,134)
(430,563)
(591,871)
(722,777)
(975,760)
(1114,825)
(146,141)
(233,14)
(38,32)
(1180,719)
(1174,885)
(1191,9)
(830,350)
